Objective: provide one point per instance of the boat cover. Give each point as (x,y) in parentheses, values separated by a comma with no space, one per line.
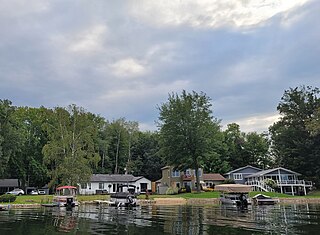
(233,188)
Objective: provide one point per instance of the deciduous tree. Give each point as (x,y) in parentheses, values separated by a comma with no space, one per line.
(186,129)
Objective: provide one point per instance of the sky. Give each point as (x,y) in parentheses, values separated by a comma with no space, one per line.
(123,58)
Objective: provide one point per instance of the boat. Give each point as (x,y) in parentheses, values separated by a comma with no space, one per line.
(234,194)
(123,199)
(261,199)
(66,196)
(4,208)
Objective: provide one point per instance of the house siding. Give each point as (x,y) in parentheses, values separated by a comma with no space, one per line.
(246,171)
(112,186)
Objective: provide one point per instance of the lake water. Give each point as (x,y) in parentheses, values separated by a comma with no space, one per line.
(153,220)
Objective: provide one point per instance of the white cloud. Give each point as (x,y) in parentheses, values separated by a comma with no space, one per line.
(211,13)
(258,123)
(128,67)
(89,40)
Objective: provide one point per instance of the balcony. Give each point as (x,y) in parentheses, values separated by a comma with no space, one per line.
(187,177)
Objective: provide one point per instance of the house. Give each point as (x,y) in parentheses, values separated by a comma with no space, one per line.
(238,175)
(108,183)
(7,185)
(287,181)
(172,177)
(212,179)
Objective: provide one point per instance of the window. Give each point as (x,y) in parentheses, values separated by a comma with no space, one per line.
(84,186)
(175,174)
(144,187)
(237,176)
(101,185)
(188,173)
(89,185)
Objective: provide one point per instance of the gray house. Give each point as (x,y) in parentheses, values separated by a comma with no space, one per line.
(239,175)
(7,185)
(287,181)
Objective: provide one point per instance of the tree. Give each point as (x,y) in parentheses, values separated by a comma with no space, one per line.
(234,140)
(29,161)
(10,139)
(70,152)
(293,144)
(146,159)
(186,127)
(246,148)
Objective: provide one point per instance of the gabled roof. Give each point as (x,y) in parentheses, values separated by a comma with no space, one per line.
(114,178)
(241,168)
(265,172)
(9,183)
(214,177)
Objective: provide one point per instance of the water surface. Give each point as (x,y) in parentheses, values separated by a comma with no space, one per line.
(151,219)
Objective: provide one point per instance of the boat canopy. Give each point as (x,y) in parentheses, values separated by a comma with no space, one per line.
(233,188)
(66,187)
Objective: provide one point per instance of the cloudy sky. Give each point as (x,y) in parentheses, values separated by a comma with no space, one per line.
(123,58)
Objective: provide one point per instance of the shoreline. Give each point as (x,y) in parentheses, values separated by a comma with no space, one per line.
(175,202)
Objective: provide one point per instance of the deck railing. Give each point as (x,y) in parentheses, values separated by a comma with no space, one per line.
(261,185)
(294,182)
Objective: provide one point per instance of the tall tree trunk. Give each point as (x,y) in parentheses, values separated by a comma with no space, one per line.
(117,155)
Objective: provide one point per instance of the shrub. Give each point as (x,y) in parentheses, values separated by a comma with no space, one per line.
(8,198)
(271,183)
(172,191)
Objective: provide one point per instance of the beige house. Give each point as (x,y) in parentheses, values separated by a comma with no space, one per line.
(213,179)
(179,179)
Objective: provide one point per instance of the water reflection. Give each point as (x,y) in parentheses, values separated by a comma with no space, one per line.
(151,219)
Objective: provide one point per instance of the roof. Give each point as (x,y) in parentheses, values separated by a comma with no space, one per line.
(213,177)
(233,188)
(241,168)
(165,167)
(66,187)
(114,178)
(9,183)
(265,172)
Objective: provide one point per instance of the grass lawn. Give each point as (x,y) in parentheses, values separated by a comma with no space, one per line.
(314,194)
(38,199)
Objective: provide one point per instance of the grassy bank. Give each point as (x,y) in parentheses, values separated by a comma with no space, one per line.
(39,199)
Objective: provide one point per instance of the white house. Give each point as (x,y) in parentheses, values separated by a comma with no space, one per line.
(105,183)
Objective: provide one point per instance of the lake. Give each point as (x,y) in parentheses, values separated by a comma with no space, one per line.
(152,219)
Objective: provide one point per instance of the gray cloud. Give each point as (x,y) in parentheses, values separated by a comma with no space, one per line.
(122,59)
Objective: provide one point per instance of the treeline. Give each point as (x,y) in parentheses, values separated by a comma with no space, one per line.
(65,145)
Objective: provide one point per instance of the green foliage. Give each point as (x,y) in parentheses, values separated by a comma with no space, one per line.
(10,139)
(295,142)
(146,158)
(186,130)
(271,183)
(8,198)
(246,148)
(172,191)
(70,152)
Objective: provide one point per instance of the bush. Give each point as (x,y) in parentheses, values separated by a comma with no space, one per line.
(172,191)
(271,183)
(8,198)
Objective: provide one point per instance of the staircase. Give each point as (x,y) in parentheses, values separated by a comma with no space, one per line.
(259,186)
